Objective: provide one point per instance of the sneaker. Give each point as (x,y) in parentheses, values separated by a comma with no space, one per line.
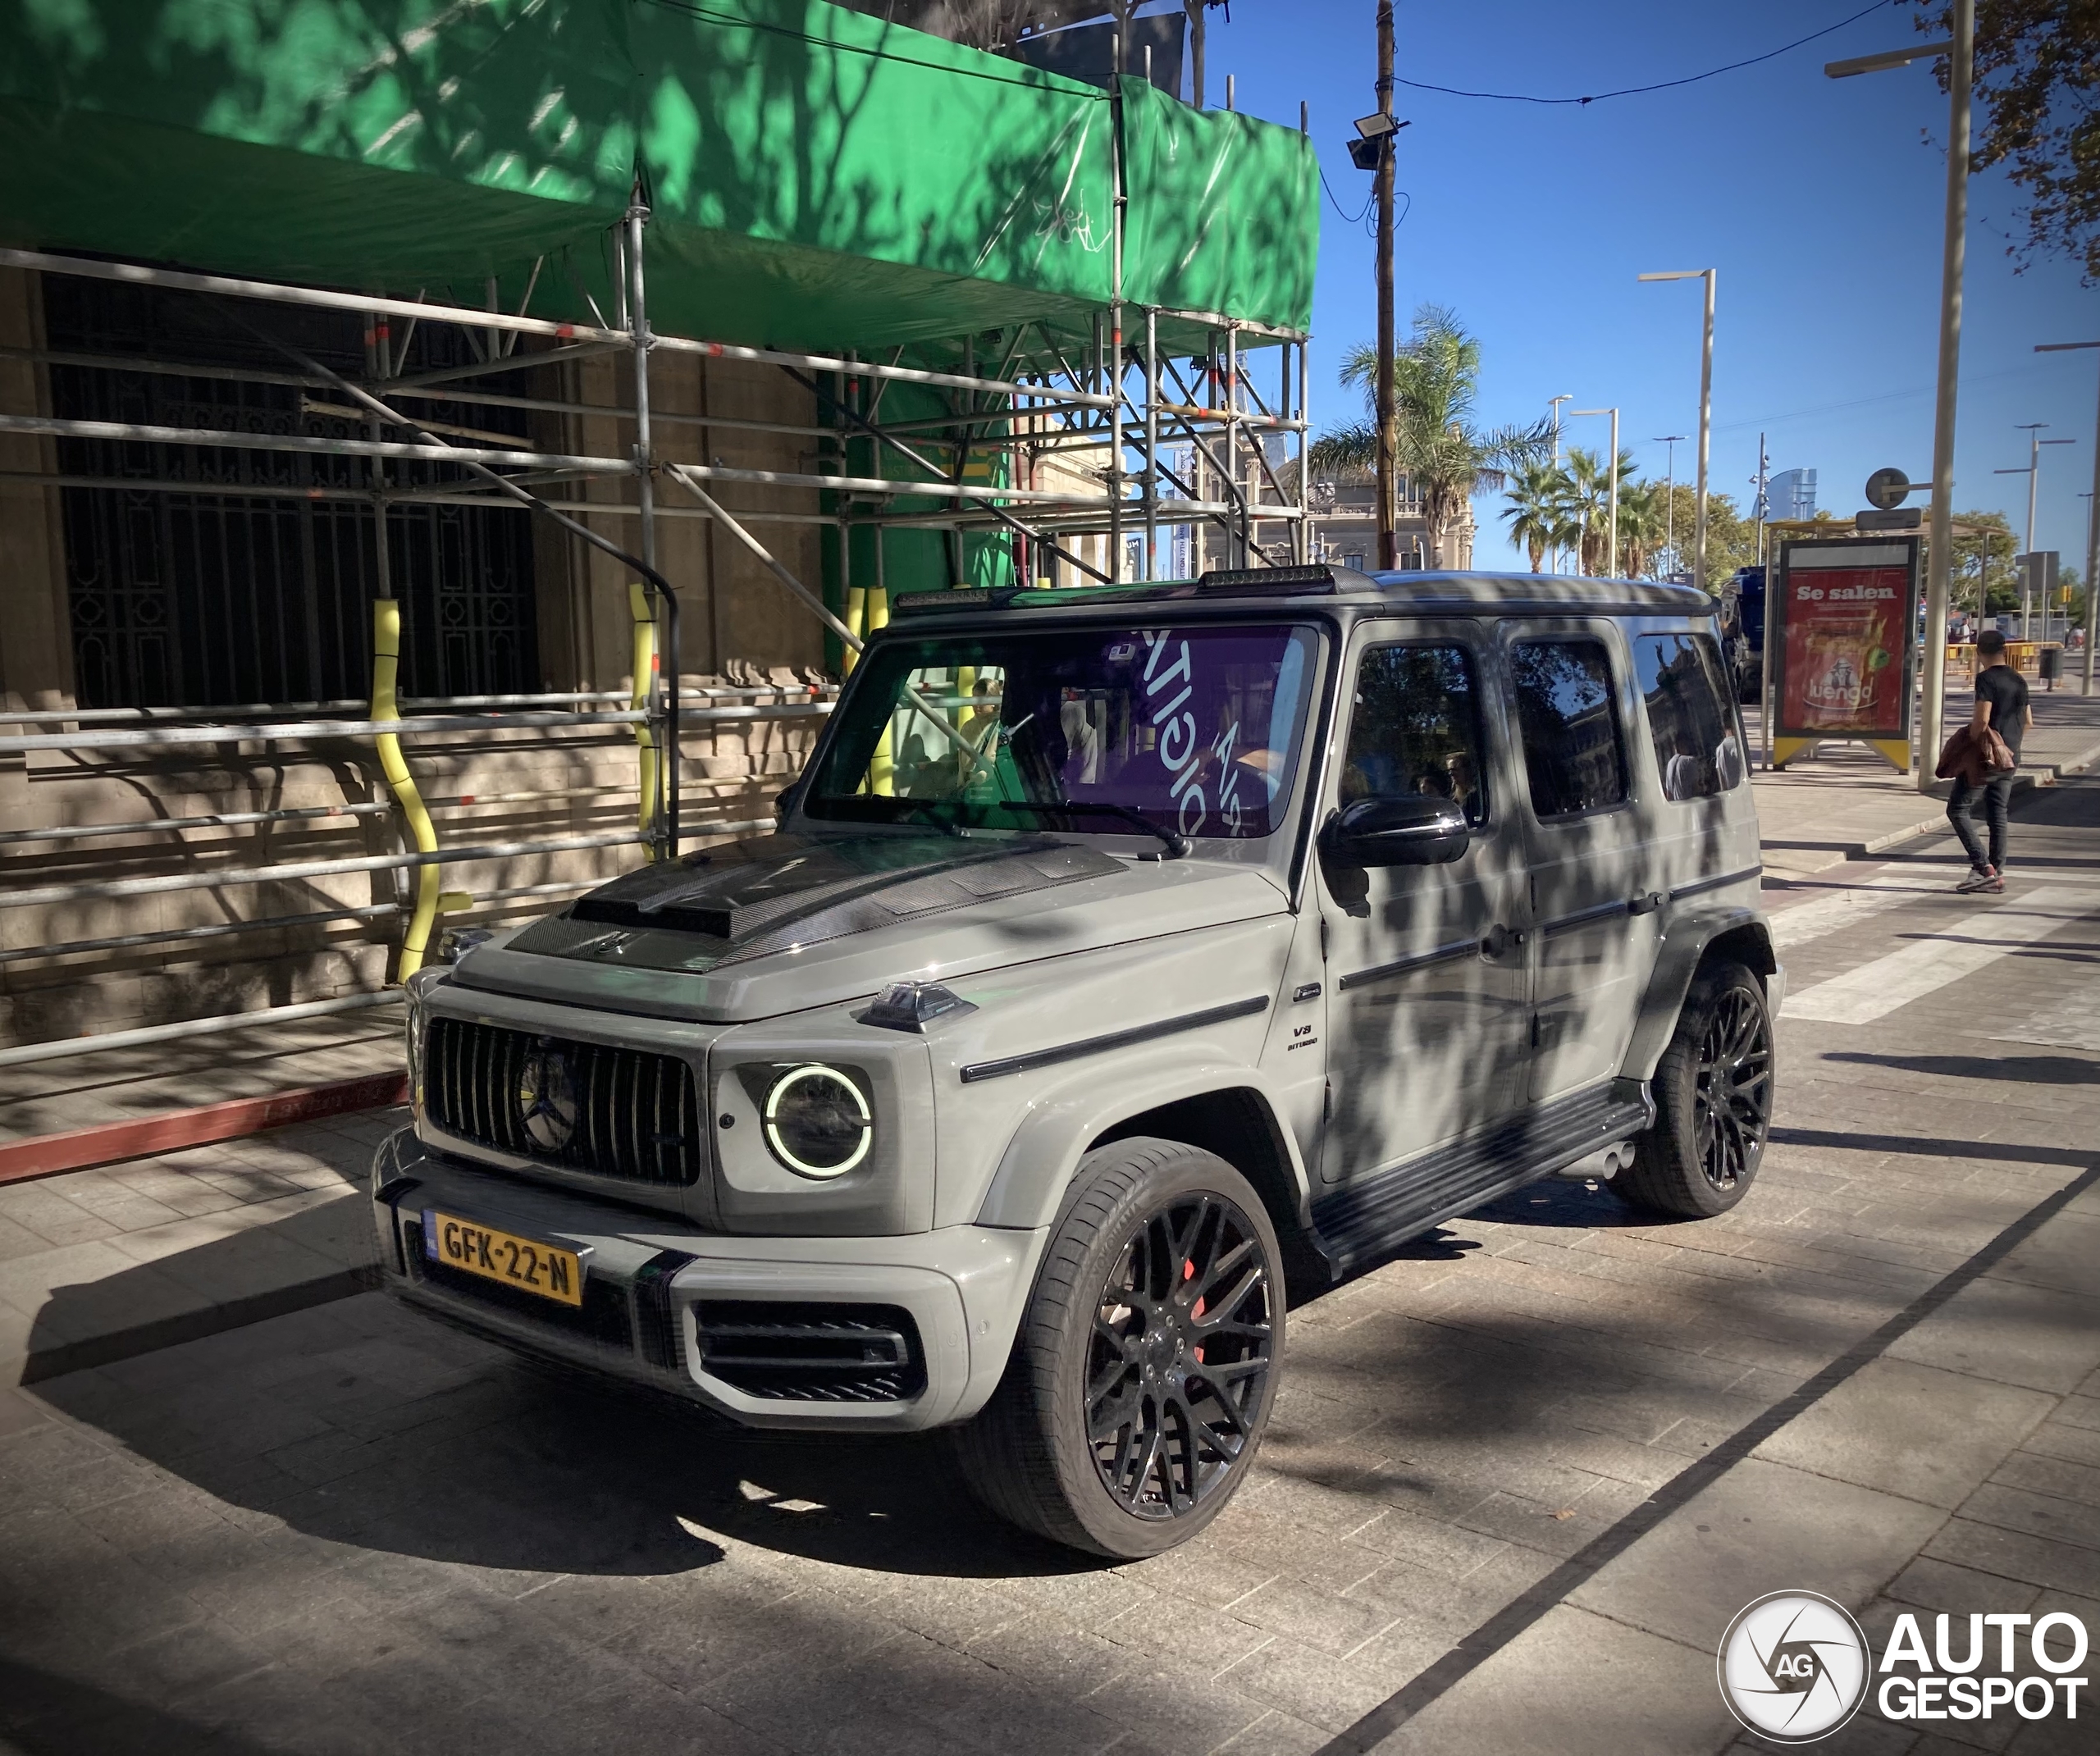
(1983,877)
(1994,886)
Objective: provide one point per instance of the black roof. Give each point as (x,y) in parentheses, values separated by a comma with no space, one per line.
(1415,592)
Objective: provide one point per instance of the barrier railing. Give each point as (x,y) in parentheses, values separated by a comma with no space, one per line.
(103,731)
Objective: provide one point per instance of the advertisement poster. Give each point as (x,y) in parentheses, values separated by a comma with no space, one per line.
(1846,637)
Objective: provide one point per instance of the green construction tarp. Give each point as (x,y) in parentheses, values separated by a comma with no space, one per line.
(1224,214)
(817,178)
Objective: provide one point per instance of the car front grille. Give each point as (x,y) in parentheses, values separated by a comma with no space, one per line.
(811,1352)
(612,1112)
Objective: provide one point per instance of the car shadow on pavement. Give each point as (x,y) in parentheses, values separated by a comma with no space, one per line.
(2024,1069)
(360,1422)
(48,1714)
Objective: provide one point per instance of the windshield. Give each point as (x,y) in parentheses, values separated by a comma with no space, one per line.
(1195,730)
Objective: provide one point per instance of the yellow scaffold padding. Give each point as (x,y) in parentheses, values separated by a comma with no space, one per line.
(385,663)
(649,779)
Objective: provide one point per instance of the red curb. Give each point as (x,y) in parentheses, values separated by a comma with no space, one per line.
(82,1148)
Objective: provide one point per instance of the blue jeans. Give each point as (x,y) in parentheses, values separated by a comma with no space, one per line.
(1997,794)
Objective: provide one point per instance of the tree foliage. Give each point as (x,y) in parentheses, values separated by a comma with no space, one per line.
(2037,66)
(1442,449)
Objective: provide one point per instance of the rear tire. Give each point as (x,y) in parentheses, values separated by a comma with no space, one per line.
(1147,1359)
(1713,1090)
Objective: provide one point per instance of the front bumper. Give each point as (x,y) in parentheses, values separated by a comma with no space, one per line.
(656,1293)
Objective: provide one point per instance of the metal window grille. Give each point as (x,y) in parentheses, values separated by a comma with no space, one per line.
(212,600)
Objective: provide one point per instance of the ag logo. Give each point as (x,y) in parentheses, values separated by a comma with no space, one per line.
(1793,1666)
(547,1097)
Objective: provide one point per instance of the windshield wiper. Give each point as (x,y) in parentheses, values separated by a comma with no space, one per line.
(1177,844)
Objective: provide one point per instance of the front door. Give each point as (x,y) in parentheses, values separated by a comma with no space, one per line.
(1594,872)
(1427,1018)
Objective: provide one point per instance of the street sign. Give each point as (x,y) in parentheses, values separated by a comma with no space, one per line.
(1897,518)
(1887,489)
(2037,571)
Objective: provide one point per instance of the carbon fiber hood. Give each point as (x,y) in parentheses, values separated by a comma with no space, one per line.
(785,893)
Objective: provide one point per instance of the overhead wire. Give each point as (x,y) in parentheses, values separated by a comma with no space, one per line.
(1662,85)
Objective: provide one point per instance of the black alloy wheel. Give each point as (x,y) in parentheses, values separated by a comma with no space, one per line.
(1714,1089)
(1147,1359)
(1178,1366)
(1733,1094)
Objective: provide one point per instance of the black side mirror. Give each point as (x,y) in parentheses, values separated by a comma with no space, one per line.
(1411,829)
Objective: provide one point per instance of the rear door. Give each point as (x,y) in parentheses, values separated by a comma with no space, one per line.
(1427,985)
(1594,875)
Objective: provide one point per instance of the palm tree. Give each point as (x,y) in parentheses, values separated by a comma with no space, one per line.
(1537,512)
(1642,516)
(1441,451)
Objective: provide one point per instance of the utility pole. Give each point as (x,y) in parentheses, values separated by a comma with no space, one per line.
(1389,553)
(2032,473)
(1194,9)
(1761,481)
(1554,402)
(1705,407)
(2092,519)
(1669,495)
(1611,558)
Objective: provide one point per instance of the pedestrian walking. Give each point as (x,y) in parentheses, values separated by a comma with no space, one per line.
(2001,707)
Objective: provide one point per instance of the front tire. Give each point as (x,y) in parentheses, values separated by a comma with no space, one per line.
(1146,1362)
(1713,1090)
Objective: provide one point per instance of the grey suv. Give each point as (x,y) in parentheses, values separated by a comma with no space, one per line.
(1122,952)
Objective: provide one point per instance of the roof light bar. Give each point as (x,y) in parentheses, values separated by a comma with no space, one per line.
(1269,581)
(938,602)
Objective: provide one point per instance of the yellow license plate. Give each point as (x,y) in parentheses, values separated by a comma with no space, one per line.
(522,1262)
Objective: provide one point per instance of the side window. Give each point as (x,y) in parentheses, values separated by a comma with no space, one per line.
(1573,754)
(1694,734)
(1415,727)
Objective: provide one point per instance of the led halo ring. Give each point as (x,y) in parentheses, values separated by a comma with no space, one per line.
(813,1071)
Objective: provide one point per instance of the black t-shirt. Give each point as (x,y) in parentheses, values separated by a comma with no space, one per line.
(2006,689)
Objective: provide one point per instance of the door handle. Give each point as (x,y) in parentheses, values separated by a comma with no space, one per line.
(1501,939)
(1646,905)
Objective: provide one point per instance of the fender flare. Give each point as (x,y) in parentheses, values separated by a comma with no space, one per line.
(1044,1151)
(1686,941)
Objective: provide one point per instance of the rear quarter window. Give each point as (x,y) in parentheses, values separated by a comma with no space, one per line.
(1697,748)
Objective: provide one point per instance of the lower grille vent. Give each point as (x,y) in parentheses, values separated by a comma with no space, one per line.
(811,1352)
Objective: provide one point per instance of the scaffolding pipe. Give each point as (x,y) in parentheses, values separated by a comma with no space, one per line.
(684,474)
(1152,442)
(137,274)
(159,714)
(212,930)
(228,820)
(29,1053)
(661,827)
(233,877)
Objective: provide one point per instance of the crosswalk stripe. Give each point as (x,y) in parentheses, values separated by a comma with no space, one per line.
(1875,989)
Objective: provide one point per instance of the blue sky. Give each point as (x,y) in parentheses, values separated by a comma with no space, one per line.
(1820,201)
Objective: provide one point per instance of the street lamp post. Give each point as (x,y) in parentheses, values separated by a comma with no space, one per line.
(2032,473)
(1611,562)
(1669,495)
(1960,51)
(1554,402)
(1705,413)
(2092,518)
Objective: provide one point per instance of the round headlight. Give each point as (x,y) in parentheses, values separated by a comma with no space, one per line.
(817,1122)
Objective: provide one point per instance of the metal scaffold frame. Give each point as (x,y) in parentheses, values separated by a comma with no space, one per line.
(1086,446)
